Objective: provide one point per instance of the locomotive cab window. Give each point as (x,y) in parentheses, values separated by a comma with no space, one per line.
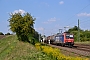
(69,36)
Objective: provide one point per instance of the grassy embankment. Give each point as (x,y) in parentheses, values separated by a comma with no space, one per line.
(12,49)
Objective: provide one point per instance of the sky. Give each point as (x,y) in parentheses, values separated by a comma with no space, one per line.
(51,15)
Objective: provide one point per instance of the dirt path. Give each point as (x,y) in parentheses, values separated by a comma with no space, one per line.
(2,36)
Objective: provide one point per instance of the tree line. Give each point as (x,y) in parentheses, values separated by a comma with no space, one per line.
(1,33)
(84,34)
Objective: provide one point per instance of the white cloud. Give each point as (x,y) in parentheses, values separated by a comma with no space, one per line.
(45,22)
(84,14)
(61,2)
(19,11)
(50,20)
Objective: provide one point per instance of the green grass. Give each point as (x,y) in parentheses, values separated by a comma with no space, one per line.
(86,42)
(12,49)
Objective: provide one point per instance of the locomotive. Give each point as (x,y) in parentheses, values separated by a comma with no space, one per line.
(62,39)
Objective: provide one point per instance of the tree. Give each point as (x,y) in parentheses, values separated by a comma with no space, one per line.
(1,33)
(8,33)
(36,35)
(75,28)
(74,31)
(22,25)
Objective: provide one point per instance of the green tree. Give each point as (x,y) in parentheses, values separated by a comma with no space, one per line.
(22,25)
(8,33)
(36,35)
(86,35)
(74,31)
(1,33)
(75,28)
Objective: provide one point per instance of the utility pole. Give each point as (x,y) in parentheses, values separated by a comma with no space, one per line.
(78,32)
(60,30)
(43,35)
(65,28)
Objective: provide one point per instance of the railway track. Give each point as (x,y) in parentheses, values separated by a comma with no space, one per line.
(77,49)
(82,47)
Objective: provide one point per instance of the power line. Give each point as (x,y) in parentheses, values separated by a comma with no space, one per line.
(78,12)
(85,20)
(85,23)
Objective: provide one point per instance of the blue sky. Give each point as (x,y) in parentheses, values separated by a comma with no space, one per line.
(51,15)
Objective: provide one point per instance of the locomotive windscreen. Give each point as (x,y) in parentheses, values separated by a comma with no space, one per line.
(69,36)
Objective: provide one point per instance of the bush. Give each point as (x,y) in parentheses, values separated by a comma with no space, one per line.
(8,33)
(1,33)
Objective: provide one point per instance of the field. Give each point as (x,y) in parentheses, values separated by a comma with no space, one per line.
(12,49)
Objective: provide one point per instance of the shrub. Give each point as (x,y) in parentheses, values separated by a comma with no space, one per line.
(1,33)
(8,33)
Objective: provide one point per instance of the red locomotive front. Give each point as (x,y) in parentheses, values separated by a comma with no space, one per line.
(69,39)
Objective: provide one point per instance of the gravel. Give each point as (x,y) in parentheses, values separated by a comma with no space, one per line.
(79,52)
